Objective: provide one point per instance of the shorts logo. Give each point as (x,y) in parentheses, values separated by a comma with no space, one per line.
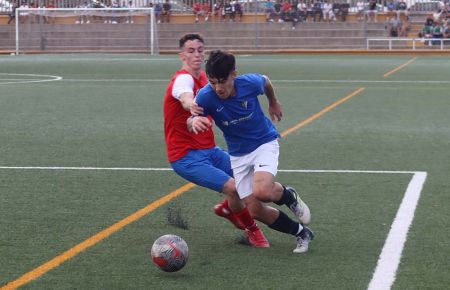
(263,165)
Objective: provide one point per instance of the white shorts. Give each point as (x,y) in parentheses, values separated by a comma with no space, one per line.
(264,158)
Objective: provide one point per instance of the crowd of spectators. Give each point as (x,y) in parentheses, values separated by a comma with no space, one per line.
(437,26)
(293,11)
(305,11)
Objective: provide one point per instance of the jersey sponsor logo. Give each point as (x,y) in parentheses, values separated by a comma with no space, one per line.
(236,121)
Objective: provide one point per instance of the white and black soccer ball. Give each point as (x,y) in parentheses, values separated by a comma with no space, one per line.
(170,253)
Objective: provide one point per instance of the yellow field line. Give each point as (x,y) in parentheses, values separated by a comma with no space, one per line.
(320,113)
(58,260)
(53,263)
(399,68)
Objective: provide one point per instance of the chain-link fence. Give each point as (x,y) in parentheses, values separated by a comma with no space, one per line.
(6,6)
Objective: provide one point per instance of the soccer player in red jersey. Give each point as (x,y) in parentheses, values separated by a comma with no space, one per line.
(195,157)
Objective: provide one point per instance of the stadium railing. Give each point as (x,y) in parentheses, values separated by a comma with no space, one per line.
(392,43)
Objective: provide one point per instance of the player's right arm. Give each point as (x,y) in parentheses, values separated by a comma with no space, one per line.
(183,90)
(198,122)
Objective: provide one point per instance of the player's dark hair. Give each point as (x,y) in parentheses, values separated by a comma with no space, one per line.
(220,64)
(190,36)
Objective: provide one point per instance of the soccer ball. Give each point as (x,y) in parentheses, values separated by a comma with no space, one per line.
(170,253)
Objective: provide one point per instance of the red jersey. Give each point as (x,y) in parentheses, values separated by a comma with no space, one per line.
(178,139)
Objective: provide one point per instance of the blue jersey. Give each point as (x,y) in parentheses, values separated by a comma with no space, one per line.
(240,117)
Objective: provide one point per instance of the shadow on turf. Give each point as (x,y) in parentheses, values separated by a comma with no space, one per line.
(242,240)
(176,219)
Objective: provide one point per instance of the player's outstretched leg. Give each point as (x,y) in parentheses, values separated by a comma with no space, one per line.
(243,220)
(223,210)
(303,239)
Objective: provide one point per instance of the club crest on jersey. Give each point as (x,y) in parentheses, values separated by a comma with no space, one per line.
(244,104)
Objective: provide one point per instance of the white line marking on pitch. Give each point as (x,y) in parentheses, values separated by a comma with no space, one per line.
(389,259)
(50,78)
(168,169)
(278,81)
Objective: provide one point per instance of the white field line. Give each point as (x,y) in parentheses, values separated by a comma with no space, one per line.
(21,80)
(169,169)
(389,259)
(280,81)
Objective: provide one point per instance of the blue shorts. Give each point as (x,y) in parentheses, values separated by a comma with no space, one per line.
(210,168)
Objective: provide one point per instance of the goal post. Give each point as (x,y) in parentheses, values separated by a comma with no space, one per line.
(50,30)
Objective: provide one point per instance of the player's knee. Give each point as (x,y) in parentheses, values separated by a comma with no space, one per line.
(262,193)
(229,188)
(256,209)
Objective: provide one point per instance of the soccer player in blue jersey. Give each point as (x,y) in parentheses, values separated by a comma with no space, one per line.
(252,140)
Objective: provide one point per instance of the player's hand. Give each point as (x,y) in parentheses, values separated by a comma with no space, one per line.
(196,109)
(275,111)
(200,124)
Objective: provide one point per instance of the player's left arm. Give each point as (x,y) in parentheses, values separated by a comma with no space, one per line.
(275,111)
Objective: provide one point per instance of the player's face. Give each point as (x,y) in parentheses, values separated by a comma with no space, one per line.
(224,88)
(193,54)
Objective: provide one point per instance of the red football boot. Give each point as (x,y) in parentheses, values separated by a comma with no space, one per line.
(224,211)
(256,238)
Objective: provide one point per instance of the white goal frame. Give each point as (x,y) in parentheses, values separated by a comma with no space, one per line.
(151,28)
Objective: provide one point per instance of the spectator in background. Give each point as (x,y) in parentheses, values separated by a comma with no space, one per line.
(302,11)
(437,32)
(317,11)
(402,8)
(23,16)
(446,29)
(285,8)
(269,10)
(158,11)
(166,11)
(277,11)
(406,27)
(293,16)
(227,11)
(197,10)
(236,11)
(391,8)
(114,19)
(327,11)
(309,11)
(336,8)
(372,13)
(218,8)
(49,19)
(206,10)
(129,17)
(427,30)
(360,7)
(343,11)
(393,26)
(12,14)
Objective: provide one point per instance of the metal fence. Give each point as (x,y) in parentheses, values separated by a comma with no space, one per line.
(6,6)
